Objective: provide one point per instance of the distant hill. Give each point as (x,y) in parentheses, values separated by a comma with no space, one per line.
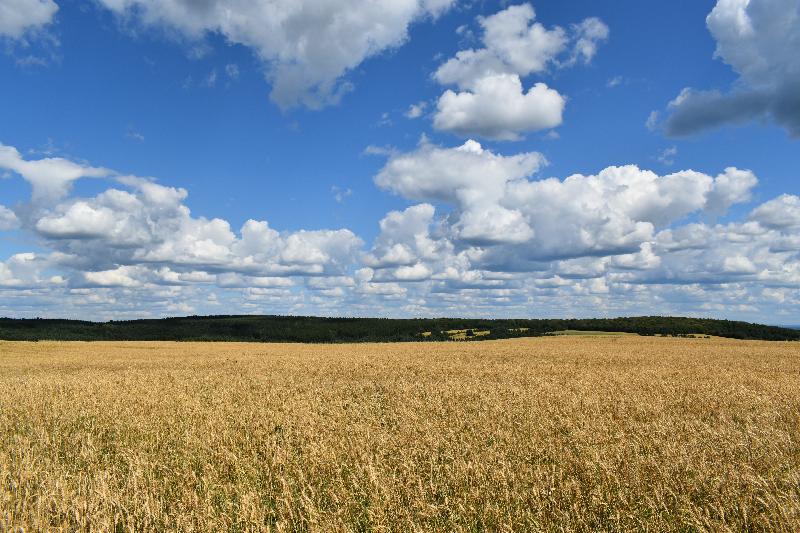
(336,330)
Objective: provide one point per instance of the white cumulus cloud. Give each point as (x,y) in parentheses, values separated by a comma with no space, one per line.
(501,206)
(307,46)
(491,100)
(50,177)
(18,17)
(484,234)
(498,108)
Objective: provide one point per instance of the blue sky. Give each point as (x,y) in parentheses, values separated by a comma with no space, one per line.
(681,119)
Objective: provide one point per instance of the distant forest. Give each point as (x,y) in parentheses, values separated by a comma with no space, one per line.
(338,330)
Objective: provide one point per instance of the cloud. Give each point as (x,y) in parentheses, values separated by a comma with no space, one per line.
(79,220)
(724,254)
(307,47)
(491,101)
(498,108)
(484,234)
(405,240)
(511,47)
(781,213)
(232,71)
(516,44)
(758,39)
(234,280)
(124,276)
(21,17)
(667,156)
(588,34)
(51,177)
(140,232)
(134,135)
(734,186)
(694,111)
(416,110)
(341,194)
(455,175)
(8,220)
(518,219)
(652,120)
(25,271)
(211,80)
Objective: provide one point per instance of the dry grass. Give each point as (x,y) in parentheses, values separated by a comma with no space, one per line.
(555,434)
(591,333)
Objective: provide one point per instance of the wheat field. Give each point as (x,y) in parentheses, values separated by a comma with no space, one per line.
(547,434)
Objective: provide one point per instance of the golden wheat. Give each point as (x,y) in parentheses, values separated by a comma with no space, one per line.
(553,434)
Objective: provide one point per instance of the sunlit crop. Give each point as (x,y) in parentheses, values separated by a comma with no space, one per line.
(572,433)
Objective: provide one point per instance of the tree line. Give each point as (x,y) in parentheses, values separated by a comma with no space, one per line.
(338,330)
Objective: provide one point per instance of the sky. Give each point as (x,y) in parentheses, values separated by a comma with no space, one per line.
(400,158)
